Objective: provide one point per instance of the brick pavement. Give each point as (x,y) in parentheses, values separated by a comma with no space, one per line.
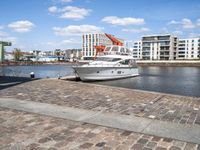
(165,107)
(27,131)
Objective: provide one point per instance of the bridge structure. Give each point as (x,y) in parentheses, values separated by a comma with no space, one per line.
(2,45)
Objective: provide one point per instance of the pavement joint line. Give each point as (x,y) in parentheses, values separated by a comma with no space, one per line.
(187,133)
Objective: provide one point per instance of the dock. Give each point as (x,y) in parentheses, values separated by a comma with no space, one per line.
(63,114)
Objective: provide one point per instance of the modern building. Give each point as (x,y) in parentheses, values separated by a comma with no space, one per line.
(95,39)
(189,48)
(137,50)
(159,47)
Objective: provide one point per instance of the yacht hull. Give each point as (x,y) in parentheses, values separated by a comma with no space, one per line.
(104,73)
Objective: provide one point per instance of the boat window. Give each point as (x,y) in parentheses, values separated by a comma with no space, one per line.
(125,62)
(114,48)
(127,50)
(107,59)
(107,49)
(122,50)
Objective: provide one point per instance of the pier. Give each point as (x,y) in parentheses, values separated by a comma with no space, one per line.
(60,114)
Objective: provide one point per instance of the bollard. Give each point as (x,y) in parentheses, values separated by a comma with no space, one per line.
(32,75)
(59,76)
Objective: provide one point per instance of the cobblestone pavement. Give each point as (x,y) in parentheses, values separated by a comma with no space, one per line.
(178,109)
(27,131)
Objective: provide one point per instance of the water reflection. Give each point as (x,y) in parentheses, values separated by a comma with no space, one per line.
(174,80)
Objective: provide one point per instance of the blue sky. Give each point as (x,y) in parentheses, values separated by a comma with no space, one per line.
(50,24)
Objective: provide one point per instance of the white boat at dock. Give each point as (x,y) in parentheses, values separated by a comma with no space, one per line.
(114,62)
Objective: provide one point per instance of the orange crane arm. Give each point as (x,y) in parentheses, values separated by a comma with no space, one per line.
(114,40)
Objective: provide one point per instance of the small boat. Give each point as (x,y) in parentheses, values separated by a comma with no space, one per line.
(115,62)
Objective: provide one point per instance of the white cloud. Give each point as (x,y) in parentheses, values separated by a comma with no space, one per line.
(136,30)
(192,35)
(76,30)
(198,22)
(75,13)
(70,12)
(173,22)
(3,34)
(187,24)
(178,33)
(53,9)
(21,26)
(1,27)
(114,20)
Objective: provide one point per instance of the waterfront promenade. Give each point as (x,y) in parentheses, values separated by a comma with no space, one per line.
(58,114)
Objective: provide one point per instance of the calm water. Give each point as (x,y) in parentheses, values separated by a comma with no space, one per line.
(174,80)
(41,71)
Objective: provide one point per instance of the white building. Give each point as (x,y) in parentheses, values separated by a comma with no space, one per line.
(94,39)
(159,47)
(73,54)
(137,49)
(189,48)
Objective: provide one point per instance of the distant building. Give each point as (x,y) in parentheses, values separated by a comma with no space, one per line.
(8,56)
(159,47)
(189,48)
(94,39)
(73,54)
(137,49)
(35,52)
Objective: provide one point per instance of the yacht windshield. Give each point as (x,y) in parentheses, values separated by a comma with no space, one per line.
(107,48)
(107,59)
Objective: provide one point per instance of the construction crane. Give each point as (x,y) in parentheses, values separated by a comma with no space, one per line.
(2,44)
(115,41)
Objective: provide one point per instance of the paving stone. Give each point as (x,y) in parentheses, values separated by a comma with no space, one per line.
(137,146)
(156,139)
(190,146)
(44,140)
(167,140)
(86,145)
(178,143)
(151,144)
(52,148)
(142,141)
(198,147)
(101,144)
(146,148)
(33,146)
(126,133)
(174,148)
(160,148)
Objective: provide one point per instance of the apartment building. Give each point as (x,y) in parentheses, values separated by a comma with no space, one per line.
(92,40)
(159,47)
(137,50)
(189,48)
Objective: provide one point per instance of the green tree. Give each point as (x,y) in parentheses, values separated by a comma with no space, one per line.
(17,54)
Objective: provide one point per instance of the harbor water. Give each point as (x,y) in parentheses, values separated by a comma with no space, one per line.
(173,80)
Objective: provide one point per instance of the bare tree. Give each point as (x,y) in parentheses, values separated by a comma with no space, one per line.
(17,54)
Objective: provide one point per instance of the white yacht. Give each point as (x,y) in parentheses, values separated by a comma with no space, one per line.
(114,62)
